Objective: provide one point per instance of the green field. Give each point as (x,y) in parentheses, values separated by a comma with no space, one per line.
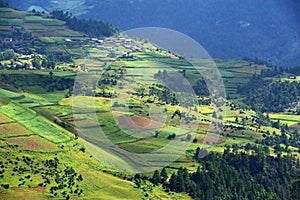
(36,124)
(8,94)
(286,118)
(57,144)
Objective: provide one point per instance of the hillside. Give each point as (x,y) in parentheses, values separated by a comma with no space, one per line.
(85,117)
(268,30)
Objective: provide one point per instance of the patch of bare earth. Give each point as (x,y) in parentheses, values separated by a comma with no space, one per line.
(295,127)
(210,139)
(34,143)
(137,122)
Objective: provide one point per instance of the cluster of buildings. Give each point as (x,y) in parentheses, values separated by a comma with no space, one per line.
(112,44)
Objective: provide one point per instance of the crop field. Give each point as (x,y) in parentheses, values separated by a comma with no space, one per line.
(285,118)
(12,130)
(61,111)
(137,122)
(8,94)
(4,119)
(10,22)
(206,110)
(45,98)
(211,139)
(36,27)
(37,118)
(44,21)
(11,13)
(85,102)
(36,124)
(145,145)
(34,143)
(51,39)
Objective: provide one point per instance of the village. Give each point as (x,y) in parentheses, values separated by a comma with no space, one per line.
(112,47)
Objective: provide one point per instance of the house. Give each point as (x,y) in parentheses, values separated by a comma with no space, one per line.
(25,56)
(96,40)
(101,47)
(137,49)
(128,41)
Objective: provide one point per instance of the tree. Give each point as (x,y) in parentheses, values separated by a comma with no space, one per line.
(36,63)
(180,186)
(172,182)
(44,63)
(236,119)
(172,136)
(137,180)
(156,133)
(214,115)
(184,72)
(164,74)
(164,175)
(188,137)
(156,177)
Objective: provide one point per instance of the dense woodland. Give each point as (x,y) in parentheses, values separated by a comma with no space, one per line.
(237,175)
(51,83)
(92,28)
(266,95)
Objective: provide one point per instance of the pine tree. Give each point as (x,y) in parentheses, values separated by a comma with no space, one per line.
(163,175)
(180,185)
(156,178)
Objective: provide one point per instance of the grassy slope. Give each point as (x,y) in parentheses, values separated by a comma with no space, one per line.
(97,184)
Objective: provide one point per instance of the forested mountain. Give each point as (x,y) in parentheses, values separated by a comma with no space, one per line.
(227,29)
(265,94)
(82,104)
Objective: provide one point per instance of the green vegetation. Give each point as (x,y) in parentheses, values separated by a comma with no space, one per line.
(8,94)
(236,174)
(270,96)
(35,123)
(42,115)
(92,28)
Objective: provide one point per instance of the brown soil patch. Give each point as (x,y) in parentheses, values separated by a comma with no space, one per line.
(261,67)
(4,119)
(45,34)
(34,143)
(6,28)
(196,126)
(137,122)
(81,173)
(3,149)
(243,70)
(74,32)
(13,129)
(172,56)
(40,189)
(295,127)
(210,139)
(85,123)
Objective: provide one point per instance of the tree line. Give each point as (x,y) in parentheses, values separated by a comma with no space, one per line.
(92,28)
(270,96)
(236,174)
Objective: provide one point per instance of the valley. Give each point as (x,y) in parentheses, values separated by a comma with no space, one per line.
(71,103)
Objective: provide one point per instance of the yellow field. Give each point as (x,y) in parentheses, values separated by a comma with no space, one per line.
(4,119)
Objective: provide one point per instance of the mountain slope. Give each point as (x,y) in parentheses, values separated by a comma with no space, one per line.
(227,29)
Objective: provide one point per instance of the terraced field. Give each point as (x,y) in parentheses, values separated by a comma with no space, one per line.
(35,123)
